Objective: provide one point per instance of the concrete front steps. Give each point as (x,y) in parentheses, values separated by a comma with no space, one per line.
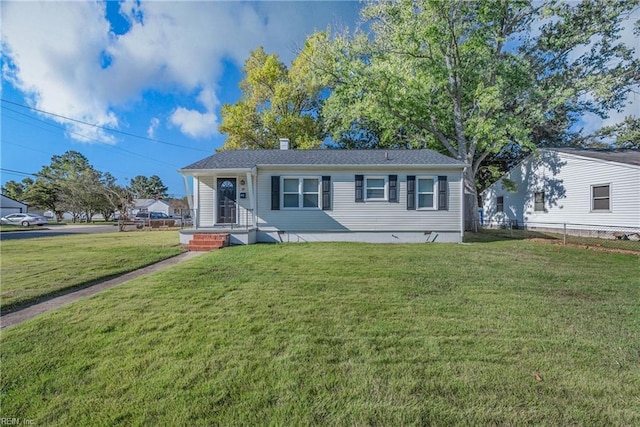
(203,242)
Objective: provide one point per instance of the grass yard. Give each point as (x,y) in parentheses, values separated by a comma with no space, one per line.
(343,334)
(585,242)
(37,267)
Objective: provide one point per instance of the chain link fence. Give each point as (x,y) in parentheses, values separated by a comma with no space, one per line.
(624,238)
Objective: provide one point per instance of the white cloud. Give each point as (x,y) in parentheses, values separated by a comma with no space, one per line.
(194,123)
(57,60)
(59,49)
(153,125)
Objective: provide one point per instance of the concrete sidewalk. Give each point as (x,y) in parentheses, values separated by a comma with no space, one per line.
(28,312)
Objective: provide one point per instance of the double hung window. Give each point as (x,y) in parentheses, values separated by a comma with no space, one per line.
(600,197)
(426,193)
(538,201)
(375,188)
(300,192)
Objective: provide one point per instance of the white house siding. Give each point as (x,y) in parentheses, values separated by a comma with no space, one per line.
(245,217)
(566,180)
(348,216)
(10,206)
(205,203)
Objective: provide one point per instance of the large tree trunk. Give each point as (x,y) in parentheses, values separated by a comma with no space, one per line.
(470,201)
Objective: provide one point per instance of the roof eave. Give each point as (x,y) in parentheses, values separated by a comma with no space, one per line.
(364,165)
(207,171)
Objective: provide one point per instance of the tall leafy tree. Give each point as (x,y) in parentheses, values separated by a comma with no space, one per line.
(625,135)
(15,189)
(73,179)
(148,188)
(478,79)
(276,102)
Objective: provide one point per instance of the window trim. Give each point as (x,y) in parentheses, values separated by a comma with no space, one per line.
(499,204)
(385,188)
(434,192)
(301,193)
(593,198)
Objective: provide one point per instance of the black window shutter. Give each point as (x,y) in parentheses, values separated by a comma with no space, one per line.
(443,196)
(275,193)
(393,188)
(411,192)
(359,188)
(326,193)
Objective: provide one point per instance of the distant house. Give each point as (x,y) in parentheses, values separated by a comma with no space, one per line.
(327,195)
(180,208)
(151,205)
(11,206)
(588,189)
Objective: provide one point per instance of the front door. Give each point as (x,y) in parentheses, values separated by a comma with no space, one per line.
(226,200)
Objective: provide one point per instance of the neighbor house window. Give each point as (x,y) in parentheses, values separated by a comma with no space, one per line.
(539,201)
(375,188)
(300,192)
(425,193)
(600,197)
(500,204)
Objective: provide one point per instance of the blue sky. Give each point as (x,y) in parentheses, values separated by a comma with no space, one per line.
(158,72)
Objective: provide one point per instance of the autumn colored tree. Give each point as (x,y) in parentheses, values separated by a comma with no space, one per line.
(276,102)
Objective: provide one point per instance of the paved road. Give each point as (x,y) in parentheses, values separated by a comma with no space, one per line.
(58,230)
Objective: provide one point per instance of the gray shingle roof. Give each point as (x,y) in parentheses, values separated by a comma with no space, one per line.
(240,159)
(630,157)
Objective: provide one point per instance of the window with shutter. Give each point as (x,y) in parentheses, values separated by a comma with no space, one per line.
(359,188)
(426,192)
(411,192)
(393,188)
(443,193)
(326,193)
(275,193)
(300,192)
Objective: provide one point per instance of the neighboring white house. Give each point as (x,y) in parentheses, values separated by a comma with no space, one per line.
(586,189)
(11,206)
(151,205)
(327,195)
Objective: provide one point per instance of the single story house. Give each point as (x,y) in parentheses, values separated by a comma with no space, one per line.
(327,195)
(10,206)
(596,190)
(151,205)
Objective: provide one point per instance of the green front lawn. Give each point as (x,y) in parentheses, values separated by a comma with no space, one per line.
(38,267)
(343,334)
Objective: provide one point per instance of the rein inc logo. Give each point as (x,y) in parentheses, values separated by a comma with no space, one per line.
(16,422)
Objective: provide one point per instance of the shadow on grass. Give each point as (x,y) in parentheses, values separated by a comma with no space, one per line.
(496,235)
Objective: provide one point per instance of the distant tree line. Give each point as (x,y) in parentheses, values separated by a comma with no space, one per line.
(70,184)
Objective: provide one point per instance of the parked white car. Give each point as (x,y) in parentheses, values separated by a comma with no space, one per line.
(24,219)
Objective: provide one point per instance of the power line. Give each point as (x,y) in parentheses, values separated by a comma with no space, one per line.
(87,138)
(15,172)
(103,127)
